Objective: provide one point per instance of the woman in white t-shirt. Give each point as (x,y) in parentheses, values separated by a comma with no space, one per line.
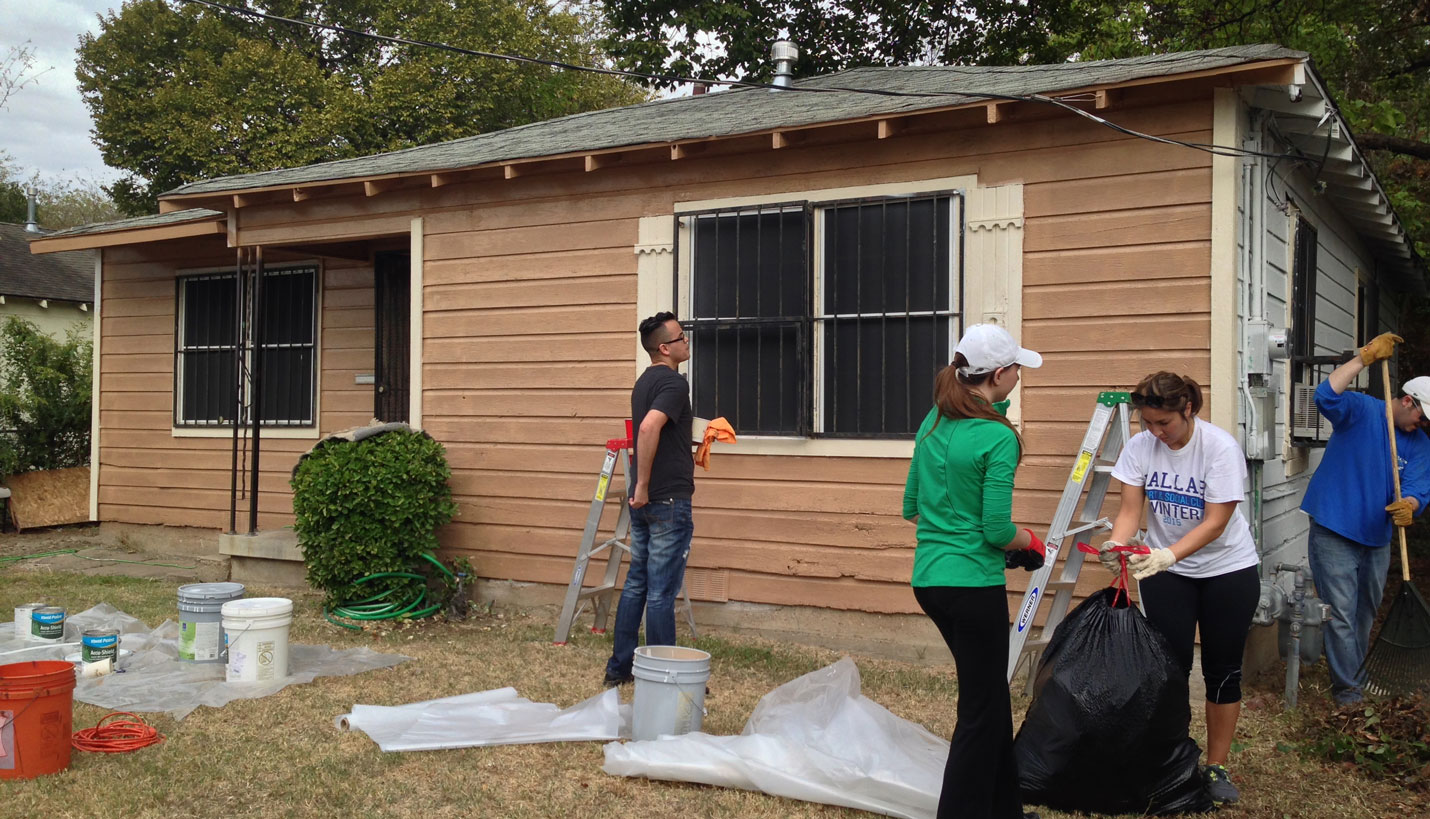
(1203,571)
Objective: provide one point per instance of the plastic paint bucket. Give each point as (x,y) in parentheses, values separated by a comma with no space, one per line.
(255,632)
(47,623)
(22,619)
(99,644)
(36,709)
(670,690)
(200,616)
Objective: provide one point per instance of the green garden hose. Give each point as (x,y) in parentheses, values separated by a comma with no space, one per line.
(402,600)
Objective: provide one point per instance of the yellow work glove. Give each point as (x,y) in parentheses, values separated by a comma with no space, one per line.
(1144,566)
(1380,348)
(1402,512)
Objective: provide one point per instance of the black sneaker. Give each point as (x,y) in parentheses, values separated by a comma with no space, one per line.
(1219,786)
(612,682)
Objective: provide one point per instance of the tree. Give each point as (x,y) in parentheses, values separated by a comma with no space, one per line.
(181,92)
(1374,56)
(17,70)
(59,203)
(45,391)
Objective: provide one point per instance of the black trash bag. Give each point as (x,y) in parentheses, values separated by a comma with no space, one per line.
(1107,731)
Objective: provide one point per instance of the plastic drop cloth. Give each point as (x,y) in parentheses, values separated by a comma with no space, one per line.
(153,678)
(815,738)
(496,717)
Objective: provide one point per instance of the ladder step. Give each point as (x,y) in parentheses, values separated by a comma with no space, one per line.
(595,590)
(1059,585)
(1036,645)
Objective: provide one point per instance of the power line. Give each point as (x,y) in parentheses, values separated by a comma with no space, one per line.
(1216,150)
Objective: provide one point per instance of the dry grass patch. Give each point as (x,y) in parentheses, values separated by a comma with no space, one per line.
(281,756)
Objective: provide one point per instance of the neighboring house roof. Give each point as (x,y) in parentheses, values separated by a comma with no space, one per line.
(750,110)
(59,276)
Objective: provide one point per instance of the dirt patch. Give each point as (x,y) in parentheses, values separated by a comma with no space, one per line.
(92,549)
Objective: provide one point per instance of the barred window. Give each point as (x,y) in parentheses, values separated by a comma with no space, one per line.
(206,388)
(826,318)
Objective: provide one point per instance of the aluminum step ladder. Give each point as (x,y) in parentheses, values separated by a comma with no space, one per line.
(1106,434)
(617,547)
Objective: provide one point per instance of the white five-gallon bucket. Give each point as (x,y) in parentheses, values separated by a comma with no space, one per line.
(255,633)
(670,690)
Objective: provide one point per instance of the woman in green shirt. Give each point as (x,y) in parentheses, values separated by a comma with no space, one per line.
(960,494)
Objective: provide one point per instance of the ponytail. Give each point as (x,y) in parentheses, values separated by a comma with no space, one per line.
(954,399)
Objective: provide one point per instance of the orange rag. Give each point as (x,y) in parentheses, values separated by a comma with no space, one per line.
(718,430)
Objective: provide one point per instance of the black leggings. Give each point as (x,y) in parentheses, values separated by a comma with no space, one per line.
(1222,606)
(980,779)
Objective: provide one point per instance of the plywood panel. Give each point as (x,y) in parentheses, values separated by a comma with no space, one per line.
(1190,330)
(1120,192)
(529,321)
(581,236)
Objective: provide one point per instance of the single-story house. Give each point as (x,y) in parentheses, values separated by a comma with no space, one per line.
(824,247)
(53,291)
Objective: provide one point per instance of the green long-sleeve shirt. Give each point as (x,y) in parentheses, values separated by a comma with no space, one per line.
(961,487)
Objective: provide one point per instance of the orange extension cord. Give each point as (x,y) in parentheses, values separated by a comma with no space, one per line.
(117,737)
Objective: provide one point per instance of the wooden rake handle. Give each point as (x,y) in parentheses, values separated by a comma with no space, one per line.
(1394,465)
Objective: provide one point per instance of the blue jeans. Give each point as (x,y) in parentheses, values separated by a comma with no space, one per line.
(660,543)
(1350,576)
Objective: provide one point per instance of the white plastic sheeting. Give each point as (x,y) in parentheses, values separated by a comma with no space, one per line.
(815,738)
(154,679)
(496,717)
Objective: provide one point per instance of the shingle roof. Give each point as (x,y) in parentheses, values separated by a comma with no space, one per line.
(750,110)
(67,276)
(153,220)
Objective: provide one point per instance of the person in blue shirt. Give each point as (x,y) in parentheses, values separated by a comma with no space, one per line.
(1348,500)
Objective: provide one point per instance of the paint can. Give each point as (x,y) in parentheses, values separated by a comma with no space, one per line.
(670,690)
(200,620)
(255,632)
(23,615)
(36,718)
(47,623)
(99,644)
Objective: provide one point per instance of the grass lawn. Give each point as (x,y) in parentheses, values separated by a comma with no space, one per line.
(281,756)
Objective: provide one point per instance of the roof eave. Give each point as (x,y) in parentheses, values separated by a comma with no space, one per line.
(235,197)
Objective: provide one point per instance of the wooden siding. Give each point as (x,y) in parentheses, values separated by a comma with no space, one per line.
(530,300)
(147,475)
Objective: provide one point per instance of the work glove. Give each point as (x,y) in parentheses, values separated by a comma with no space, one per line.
(1402,512)
(1029,559)
(1144,566)
(1380,348)
(1110,560)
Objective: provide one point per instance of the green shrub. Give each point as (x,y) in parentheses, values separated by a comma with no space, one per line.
(368,507)
(44,398)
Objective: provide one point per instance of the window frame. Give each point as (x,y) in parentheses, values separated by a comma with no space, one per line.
(816,205)
(303,428)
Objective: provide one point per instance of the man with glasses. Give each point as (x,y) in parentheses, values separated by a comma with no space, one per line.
(1348,499)
(661,525)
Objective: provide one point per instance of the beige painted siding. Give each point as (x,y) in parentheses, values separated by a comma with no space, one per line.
(149,476)
(530,309)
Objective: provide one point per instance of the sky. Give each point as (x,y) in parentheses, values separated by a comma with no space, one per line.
(46,127)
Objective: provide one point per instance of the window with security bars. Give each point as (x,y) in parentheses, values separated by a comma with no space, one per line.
(1308,427)
(825,318)
(206,380)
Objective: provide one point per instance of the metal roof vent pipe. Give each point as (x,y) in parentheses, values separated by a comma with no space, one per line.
(31,226)
(784,53)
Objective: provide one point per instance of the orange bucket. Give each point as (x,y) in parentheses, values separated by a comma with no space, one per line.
(36,718)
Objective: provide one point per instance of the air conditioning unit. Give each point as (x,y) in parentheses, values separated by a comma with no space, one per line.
(1306,421)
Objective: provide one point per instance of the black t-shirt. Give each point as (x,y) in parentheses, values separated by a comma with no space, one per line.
(672,475)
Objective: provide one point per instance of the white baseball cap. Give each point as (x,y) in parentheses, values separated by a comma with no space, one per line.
(1419,389)
(988,347)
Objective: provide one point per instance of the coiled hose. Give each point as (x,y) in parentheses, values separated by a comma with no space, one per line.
(401,600)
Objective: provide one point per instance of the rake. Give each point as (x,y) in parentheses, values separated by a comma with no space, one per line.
(1399,662)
